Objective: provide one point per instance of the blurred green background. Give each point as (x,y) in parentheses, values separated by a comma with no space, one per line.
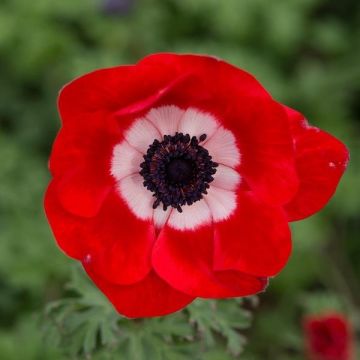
(305,52)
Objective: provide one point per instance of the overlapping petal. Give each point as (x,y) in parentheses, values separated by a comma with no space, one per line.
(321,160)
(114,244)
(80,161)
(185,260)
(89,145)
(149,297)
(120,90)
(267,156)
(83,191)
(256,240)
(204,83)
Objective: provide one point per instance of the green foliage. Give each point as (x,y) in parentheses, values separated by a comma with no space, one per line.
(84,324)
(306,52)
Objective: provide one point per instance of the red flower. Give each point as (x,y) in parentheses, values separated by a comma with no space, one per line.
(328,337)
(176,178)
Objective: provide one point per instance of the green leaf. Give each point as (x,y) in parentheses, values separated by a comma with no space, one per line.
(85,324)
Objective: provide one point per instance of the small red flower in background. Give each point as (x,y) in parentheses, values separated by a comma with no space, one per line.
(329,337)
(176,178)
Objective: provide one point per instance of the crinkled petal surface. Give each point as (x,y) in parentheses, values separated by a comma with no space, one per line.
(321,160)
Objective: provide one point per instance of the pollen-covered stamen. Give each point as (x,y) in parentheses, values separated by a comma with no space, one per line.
(178,170)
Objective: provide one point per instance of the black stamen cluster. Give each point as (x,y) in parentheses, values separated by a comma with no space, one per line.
(177,170)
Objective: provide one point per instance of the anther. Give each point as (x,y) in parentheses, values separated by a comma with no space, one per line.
(202,137)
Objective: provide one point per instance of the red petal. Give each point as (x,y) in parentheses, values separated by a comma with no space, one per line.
(81,160)
(114,244)
(67,228)
(123,253)
(267,156)
(82,191)
(212,77)
(98,90)
(83,145)
(321,160)
(256,240)
(184,259)
(147,102)
(122,90)
(147,298)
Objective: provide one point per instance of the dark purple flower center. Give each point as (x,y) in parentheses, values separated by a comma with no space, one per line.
(180,171)
(177,170)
